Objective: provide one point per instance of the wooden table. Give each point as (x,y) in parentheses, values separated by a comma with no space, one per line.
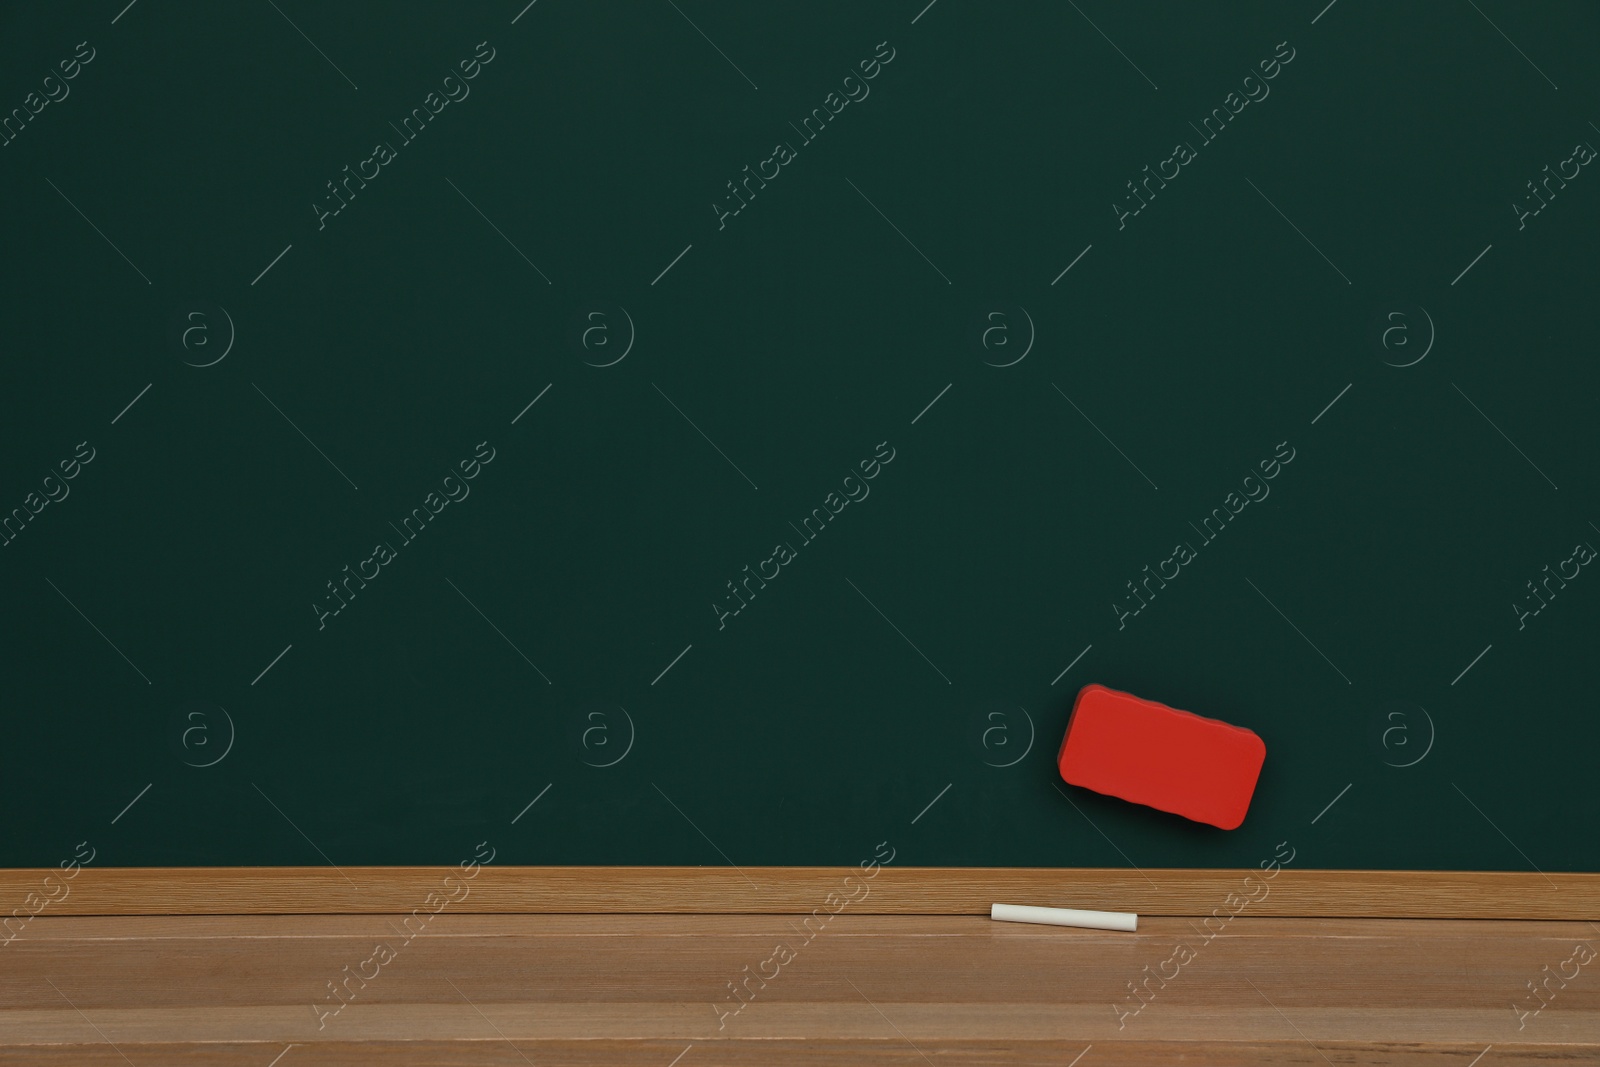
(656,989)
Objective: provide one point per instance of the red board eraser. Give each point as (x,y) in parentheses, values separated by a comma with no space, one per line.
(1148,753)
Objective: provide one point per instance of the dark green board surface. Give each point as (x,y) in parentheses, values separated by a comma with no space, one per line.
(163,613)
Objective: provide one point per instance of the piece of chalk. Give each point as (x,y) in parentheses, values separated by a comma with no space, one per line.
(1089,920)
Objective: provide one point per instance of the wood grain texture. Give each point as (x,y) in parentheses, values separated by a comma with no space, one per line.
(643,989)
(799,890)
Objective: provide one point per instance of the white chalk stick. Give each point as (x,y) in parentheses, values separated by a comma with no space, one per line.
(1089,920)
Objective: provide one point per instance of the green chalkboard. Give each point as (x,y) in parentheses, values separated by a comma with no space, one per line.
(688,432)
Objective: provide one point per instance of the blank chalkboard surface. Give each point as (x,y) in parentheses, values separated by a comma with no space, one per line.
(688,432)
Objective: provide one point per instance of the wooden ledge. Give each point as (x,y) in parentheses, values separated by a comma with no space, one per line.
(798,890)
